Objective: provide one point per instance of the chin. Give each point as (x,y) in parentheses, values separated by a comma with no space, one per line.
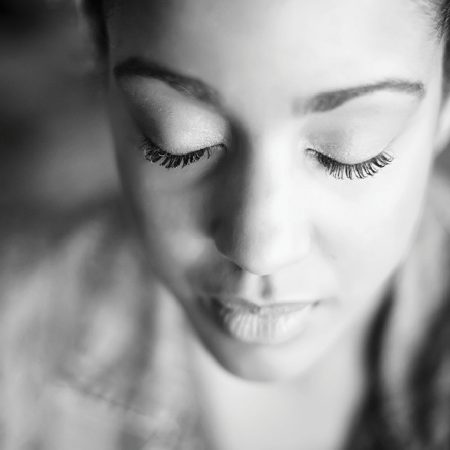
(260,365)
(260,362)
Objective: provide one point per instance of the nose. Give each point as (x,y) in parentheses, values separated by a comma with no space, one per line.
(261,219)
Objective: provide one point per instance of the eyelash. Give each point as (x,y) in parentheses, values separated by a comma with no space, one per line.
(157,155)
(338,170)
(360,170)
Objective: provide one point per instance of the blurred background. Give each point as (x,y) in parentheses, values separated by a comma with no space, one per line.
(54,139)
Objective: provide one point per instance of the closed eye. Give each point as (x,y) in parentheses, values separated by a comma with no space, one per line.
(360,170)
(156,155)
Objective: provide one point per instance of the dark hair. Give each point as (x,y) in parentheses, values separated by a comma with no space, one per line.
(95,12)
(424,419)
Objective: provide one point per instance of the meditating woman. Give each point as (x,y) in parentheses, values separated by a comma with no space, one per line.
(275,274)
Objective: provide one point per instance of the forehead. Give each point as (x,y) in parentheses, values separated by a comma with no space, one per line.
(321,44)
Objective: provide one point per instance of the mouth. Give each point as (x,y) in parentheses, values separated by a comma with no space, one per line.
(259,323)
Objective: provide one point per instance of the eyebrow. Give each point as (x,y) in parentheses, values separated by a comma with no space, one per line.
(321,102)
(327,101)
(187,85)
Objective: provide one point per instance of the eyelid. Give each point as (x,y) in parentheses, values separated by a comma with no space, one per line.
(352,171)
(156,155)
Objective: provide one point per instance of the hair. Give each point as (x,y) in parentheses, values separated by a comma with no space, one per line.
(424,421)
(95,12)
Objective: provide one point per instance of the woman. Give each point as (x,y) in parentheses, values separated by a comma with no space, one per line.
(277,168)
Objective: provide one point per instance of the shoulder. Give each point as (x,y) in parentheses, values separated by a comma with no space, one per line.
(69,290)
(76,325)
(61,275)
(59,248)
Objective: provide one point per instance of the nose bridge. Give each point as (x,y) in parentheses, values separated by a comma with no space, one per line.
(258,227)
(265,185)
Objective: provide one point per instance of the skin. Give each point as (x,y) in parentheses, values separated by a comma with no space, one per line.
(264,219)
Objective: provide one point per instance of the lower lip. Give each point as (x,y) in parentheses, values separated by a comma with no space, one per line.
(263,325)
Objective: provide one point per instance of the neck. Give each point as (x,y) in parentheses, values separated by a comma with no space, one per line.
(314,410)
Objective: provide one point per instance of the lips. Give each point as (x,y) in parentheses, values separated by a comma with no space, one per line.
(259,323)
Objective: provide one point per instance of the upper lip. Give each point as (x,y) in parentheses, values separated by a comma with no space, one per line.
(261,305)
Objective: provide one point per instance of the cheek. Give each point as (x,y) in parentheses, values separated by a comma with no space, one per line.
(172,212)
(169,215)
(171,229)
(373,229)
(375,220)
(171,220)
(174,223)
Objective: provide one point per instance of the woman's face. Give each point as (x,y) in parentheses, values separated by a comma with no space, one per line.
(288,149)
